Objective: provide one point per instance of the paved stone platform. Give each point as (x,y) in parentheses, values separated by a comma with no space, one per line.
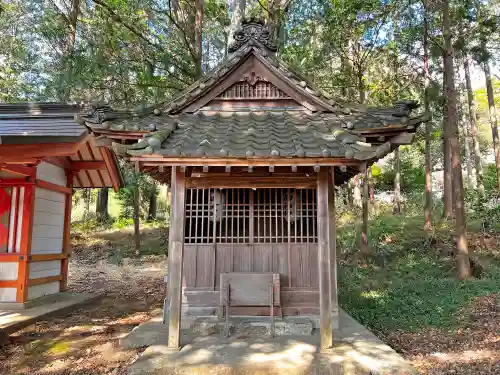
(356,351)
(12,320)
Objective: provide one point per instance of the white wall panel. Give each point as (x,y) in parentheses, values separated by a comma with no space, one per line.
(44,269)
(49,195)
(46,246)
(48,222)
(51,173)
(8,271)
(37,291)
(8,294)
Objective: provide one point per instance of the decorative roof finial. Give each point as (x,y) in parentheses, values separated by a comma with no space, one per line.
(253,32)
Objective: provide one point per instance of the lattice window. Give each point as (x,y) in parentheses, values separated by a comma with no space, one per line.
(260,90)
(251,216)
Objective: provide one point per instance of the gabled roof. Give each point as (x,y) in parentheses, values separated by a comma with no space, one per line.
(317,126)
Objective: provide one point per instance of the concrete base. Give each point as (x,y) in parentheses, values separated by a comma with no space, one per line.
(356,351)
(12,320)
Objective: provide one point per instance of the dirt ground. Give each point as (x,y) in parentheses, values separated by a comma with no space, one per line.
(86,341)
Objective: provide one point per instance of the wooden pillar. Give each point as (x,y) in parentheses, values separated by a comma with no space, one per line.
(67,232)
(364,226)
(176,254)
(324,262)
(333,237)
(25,245)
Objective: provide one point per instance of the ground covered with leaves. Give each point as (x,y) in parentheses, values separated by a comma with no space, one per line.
(85,341)
(407,293)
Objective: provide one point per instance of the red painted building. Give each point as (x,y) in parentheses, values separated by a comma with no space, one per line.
(44,154)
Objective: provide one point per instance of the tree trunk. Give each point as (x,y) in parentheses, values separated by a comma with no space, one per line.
(87,201)
(465,132)
(102,205)
(473,129)
(152,204)
(137,233)
(238,13)
(356,191)
(428,130)
(68,48)
(350,198)
(361,88)
(397,183)
(492,114)
(198,37)
(462,253)
(364,227)
(447,174)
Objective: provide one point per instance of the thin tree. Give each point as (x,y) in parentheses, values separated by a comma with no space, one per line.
(473,128)
(462,252)
(492,116)
(397,183)
(447,169)
(428,157)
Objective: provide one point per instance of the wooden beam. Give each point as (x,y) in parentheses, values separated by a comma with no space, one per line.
(324,262)
(39,150)
(53,187)
(298,182)
(28,171)
(47,257)
(8,257)
(114,173)
(88,165)
(176,255)
(8,283)
(44,280)
(61,161)
(15,182)
(151,160)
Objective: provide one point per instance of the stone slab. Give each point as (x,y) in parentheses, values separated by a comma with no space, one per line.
(356,351)
(12,320)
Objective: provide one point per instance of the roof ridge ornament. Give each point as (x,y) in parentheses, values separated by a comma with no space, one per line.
(253,32)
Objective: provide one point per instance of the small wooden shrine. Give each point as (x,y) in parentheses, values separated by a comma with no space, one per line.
(252,152)
(44,154)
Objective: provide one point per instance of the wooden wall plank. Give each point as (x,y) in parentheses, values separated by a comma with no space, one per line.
(243,258)
(204,266)
(223,261)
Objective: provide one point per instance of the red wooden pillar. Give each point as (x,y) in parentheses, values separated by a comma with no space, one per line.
(176,255)
(66,250)
(324,261)
(25,243)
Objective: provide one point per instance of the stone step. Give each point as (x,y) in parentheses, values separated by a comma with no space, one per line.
(254,326)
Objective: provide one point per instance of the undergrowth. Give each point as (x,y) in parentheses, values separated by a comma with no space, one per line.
(408,281)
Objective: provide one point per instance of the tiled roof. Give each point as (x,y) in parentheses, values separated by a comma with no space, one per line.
(249,135)
(39,121)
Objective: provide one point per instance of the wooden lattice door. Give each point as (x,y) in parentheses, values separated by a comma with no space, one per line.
(251,230)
